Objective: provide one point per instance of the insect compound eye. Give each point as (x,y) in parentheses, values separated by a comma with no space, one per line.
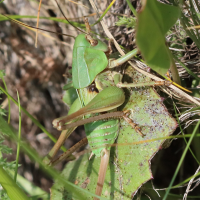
(92,88)
(92,41)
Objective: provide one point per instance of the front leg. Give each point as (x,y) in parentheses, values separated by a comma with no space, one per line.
(114,63)
(131,123)
(143,84)
(118,82)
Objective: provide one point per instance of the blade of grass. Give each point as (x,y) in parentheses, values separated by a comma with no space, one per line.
(186,180)
(174,72)
(194,17)
(2,77)
(9,185)
(181,161)
(180,196)
(3,18)
(190,32)
(44,34)
(131,7)
(184,137)
(104,13)
(47,170)
(32,27)
(191,110)
(33,119)
(187,69)
(19,137)
(29,187)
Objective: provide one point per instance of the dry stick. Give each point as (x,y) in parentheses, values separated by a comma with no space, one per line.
(78,4)
(190,184)
(109,35)
(38,17)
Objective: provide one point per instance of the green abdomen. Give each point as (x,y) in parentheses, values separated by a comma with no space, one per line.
(101,133)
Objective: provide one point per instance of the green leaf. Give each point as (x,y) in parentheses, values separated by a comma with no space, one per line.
(3,195)
(33,191)
(129,165)
(8,130)
(12,189)
(7,165)
(154,20)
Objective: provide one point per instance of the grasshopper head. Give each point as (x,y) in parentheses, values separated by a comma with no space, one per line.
(88,61)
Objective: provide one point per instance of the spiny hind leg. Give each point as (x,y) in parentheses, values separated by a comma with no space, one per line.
(143,84)
(118,82)
(131,123)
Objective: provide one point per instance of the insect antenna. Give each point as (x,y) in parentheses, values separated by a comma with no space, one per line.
(67,19)
(92,41)
(23,24)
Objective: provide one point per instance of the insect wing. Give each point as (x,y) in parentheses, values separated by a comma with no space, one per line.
(96,61)
(80,73)
(87,64)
